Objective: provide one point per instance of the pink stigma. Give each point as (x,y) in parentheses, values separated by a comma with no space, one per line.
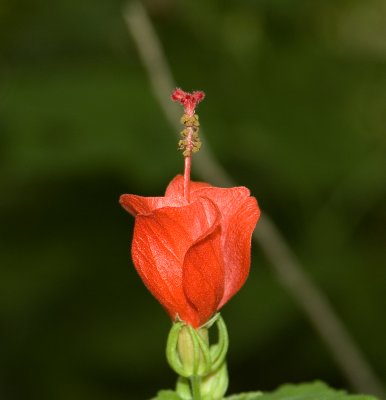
(188,100)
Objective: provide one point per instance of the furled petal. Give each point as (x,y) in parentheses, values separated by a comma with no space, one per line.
(145,205)
(176,187)
(161,241)
(193,256)
(203,274)
(228,200)
(237,246)
(239,214)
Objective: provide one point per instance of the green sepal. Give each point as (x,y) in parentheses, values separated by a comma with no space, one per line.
(215,385)
(219,351)
(201,366)
(195,358)
(202,360)
(171,349)
(183,388)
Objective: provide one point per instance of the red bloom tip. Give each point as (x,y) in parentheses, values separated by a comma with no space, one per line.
(193,256)
(188,100)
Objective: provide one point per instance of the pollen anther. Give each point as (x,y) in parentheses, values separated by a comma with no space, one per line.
(190,142)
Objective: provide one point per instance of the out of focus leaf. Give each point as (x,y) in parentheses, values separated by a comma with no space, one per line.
(167,395)
(306,391)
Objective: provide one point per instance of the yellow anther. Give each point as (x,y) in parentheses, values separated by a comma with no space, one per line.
(190,142)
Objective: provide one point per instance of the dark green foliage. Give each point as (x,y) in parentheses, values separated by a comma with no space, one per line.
(305,391)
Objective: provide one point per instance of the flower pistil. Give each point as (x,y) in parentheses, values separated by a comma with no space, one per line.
(190,141)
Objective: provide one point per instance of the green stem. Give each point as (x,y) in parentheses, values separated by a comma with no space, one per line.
(195,383)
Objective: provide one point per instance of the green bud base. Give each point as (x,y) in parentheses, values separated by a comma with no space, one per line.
(200,365)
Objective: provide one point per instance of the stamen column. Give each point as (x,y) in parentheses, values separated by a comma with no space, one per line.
(190,142)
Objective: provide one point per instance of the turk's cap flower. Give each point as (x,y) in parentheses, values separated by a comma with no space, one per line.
(193,255)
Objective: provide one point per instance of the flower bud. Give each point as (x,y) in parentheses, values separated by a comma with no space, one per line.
(199,364)
(193,350)
(188,350)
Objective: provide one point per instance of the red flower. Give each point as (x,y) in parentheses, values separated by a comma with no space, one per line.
(193,256)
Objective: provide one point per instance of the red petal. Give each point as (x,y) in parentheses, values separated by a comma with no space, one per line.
(239,215)
(176,187)
(144,205)
(161,240)
(228,200)
(237,247)
(203,275)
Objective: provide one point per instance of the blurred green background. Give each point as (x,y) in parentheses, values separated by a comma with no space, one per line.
(295,110)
